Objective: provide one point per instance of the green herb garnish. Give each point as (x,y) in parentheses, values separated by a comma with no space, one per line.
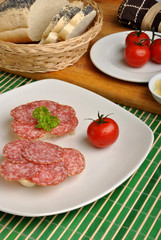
(45,120)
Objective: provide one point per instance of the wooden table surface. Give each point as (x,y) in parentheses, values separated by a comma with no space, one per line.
(85,74)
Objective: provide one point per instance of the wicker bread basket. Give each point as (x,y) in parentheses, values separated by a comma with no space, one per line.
(49,57)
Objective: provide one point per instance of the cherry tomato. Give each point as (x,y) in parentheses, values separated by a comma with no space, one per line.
(136,37)
(155,50)
(136,55)
(102,132)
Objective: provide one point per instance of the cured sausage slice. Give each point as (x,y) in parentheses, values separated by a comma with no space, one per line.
(42,152)
(74,161)
(19,171)
(30,132)
(64,128)
(27,131)
(41,163)
(24,124)
(50,175)
(65,113)
(12,151)
(24,113)
(68,121)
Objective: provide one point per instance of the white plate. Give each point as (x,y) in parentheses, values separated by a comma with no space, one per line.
(107,54)
(105,168)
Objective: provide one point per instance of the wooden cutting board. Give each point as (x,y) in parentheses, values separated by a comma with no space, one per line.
(84,74)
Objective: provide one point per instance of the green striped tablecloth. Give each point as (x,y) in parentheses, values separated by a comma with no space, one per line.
(132,211)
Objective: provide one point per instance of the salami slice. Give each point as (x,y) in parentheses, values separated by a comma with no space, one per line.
(27,131)
(40,152)
(24,124)
(68,121)
(12,151)
(74,161)
(50,175)
(41,163)
(64,128)
(18,171)
(24,113)
(65,113)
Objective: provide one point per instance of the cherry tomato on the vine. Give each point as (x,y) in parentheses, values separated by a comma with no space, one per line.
(155,50)
(136,55)
(136,37)
(102,132)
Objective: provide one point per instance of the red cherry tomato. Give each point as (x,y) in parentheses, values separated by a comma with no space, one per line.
(136,37)
(102,132)
(136,55)
(155,51)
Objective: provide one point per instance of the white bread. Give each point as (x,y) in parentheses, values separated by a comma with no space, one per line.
(27,183)
(50,35)
(25,20)
(78,24)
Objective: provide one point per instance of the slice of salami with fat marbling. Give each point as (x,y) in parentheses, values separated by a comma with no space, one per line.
(18,171)
(24,113)
(41,163)
(52,174)
(27,131)
(40,152)
(12,151)
(74,161)
(24,123)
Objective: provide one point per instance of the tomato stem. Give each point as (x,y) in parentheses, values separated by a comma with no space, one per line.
(154,34)
(101,119)
(141,41)
(137,32)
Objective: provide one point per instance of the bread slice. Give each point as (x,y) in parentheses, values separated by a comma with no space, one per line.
(25,20)
(50,35)
(78,24)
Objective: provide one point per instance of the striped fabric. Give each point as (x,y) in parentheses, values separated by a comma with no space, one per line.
(132,211)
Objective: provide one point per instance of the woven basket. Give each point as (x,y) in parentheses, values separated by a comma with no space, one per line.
(49,57)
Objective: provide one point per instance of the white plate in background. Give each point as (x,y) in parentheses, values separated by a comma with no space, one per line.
(107,54)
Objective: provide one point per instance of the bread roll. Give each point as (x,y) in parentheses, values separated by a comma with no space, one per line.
(24,21)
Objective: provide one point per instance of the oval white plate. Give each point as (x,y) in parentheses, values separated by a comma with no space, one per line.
(107,54)
(105,168)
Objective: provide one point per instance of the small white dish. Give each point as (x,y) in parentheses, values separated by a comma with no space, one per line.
(107,54)
(152,87)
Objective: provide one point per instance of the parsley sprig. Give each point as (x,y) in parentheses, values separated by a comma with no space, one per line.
(45,120)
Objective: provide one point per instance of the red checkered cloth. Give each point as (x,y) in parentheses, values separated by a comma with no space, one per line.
(140,14)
